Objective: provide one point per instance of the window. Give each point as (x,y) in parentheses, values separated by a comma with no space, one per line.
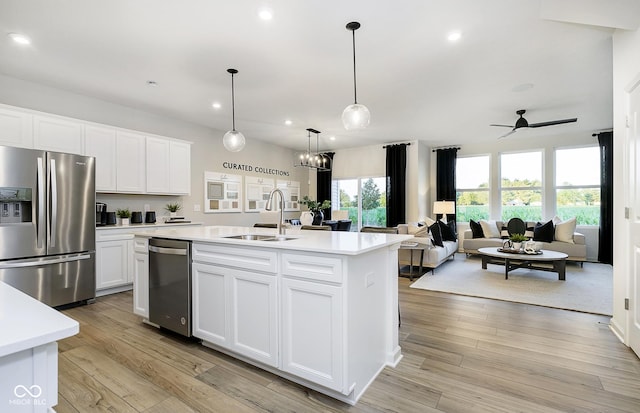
(578,184)
(521,185)
(472,188)
(364,198)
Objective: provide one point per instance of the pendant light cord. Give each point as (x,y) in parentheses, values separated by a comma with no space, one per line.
(355,92)
(233,105)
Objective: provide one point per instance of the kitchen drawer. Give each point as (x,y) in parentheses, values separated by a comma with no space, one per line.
(246,258)
(141,244)
(312,267)
(113,236)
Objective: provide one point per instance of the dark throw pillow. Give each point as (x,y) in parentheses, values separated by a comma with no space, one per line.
(436,235)
(447,230)
(544,232)
(476,229)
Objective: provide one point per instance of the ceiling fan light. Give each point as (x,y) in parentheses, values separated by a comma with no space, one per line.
(233,141)
(356,116)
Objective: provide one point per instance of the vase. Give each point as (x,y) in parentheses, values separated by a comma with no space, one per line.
(306,218)
(517,246)
(124,221)
(318,217)
(173,214)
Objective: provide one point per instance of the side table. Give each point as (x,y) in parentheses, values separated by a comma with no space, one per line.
(413,246)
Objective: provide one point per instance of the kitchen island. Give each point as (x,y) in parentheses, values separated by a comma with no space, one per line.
(319,308)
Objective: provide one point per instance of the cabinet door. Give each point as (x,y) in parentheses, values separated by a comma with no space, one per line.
(16,127)
(158,162)
(180,168)
(209,304)
(312,332)
(100,142)
(57,134)
(141,284)
(254,329)
(130,160)
(112,266)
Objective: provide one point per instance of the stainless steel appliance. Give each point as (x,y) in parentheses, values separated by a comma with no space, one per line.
(170,284)
(47,234)
(101,214)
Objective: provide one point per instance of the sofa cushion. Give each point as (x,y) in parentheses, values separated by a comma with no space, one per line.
(565,229)
(529,232)
(418,230)
(489,228)
(504,232)
(436,235)
(476,229)
(543,232)
(447,230)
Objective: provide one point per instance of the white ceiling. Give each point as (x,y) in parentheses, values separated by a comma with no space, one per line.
(298,66)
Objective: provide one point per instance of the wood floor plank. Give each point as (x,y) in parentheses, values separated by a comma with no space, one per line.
(170,405)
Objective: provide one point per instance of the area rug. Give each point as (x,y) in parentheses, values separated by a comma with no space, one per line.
(587,289)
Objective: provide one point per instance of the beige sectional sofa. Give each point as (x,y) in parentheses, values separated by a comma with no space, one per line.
(577,251)
(433,257)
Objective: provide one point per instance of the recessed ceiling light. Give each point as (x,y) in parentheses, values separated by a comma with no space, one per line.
(265,14)
(332,138)
(288,122)
(522,87)
(20,38)
(152,83)
(216,105)
(454,36)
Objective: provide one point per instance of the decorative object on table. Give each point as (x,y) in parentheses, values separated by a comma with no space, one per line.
(136,217)
(233,140)
(355,116)
(111,218)
(316,208)
(317,160)
(517,240)
(150,217)
(306,218)
(124,214)
(532,247)
(173,208)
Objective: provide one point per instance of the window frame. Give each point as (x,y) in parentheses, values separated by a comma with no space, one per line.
(541,188)
(487,190)
(557,187)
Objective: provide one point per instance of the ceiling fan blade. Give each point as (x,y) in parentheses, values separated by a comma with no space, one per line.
(504,126)
(508,133)
(552,122)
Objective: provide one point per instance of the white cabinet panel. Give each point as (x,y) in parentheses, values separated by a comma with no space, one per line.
(58,134)
(112,263)
(158,161)
(100,142)
(210,304)
(180,168)
(141,284)
(131,165)
(16,127)
(312,332)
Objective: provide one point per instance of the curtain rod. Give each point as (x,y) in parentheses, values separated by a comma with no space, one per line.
(601,131)
(393,144)
(446,147)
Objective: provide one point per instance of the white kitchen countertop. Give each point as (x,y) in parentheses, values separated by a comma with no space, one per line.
(335,242)
(26,322)
(158,224)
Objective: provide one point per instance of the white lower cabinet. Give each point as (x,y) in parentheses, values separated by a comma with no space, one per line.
(114,262)
(312,332)
(210,310)
(141,276)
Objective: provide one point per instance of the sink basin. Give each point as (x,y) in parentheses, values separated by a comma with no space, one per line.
(260,237)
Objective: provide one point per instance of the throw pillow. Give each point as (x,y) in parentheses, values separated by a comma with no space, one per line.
(446,231)
(476,229)
(543,232)
(489,228)
(504,232)
(436,235)
(428,221)
(418,231)
(565,229)
(529,232)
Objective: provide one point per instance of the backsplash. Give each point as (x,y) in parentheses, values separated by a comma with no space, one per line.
(142,203)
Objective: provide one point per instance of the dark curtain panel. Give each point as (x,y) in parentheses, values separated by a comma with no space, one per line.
(446,176)
(605,250)
(323,186)
(396,178)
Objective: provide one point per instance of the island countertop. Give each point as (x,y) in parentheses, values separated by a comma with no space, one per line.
(336,242)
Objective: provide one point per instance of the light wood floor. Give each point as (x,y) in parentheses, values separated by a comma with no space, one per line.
(461,354)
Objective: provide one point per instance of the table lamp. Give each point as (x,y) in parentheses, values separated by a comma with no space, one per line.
(444,208)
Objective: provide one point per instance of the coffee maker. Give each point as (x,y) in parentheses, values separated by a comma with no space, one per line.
(101,214)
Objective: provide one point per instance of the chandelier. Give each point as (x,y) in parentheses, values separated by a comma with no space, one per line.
(317,160)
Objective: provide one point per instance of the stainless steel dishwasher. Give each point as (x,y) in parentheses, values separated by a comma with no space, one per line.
(170,284)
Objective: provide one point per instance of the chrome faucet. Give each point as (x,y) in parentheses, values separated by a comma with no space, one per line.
(268,207)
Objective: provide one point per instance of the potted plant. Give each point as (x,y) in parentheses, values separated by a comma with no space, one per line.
(173,208)
(316,207)
(124,214)
(517,240)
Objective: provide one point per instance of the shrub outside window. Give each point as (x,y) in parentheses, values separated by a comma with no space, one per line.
(364,198)
(521,185)
(472,188)
(578,184)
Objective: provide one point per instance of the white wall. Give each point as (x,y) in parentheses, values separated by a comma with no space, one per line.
(626,66)
(207,151)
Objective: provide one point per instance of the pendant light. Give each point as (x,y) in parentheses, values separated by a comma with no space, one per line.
(233,140)
(317,160)
(355,116)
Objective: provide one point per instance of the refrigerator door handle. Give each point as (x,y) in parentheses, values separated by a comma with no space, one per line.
(40,219)
(54,204)
(37,263)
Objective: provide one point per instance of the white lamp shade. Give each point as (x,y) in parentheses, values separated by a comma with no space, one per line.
(356,116)
(233,141)
(444,207)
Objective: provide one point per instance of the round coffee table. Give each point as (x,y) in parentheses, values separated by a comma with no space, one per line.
(512,261)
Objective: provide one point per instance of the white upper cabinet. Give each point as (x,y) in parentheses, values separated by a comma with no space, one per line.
(53,133)
(168,166)
(16,127)
(100,142)
(130,162)
(180,168)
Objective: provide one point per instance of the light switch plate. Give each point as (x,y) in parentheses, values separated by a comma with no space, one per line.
(196,207)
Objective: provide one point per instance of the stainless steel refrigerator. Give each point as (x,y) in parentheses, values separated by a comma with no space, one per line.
(47,224)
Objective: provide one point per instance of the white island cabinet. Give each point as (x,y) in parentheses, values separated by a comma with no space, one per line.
(320,308)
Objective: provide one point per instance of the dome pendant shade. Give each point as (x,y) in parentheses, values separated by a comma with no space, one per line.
(233,140)
(355,116)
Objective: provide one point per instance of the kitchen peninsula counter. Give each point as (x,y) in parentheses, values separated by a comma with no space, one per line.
(320,308)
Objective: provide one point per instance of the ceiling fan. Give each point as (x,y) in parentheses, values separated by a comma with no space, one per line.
(522,123)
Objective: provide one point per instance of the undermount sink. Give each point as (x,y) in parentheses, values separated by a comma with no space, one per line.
(260,237)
